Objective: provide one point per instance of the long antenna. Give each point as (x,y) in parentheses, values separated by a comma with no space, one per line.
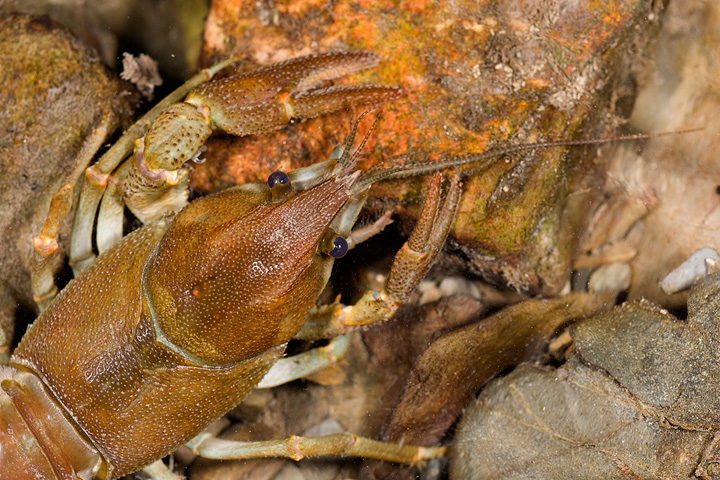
(471,162)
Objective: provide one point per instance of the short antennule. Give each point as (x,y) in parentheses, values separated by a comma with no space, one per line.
(348,160)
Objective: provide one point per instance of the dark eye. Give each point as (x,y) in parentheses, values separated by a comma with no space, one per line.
(278,178)
(340,247)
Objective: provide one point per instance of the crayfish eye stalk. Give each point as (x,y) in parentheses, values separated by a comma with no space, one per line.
(280,187)
(334,245)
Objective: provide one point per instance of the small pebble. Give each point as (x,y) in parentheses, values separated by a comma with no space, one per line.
(699,264)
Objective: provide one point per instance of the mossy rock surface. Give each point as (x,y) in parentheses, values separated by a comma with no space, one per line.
(54,91)
(476,75)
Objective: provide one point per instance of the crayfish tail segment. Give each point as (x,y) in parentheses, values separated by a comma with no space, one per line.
(36,438)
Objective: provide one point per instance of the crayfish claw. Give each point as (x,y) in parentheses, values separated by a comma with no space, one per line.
(267,98)
(315,103)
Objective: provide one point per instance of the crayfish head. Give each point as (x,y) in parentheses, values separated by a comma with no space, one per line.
(237,272)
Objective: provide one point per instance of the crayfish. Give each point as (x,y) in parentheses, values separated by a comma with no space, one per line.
(175,323)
